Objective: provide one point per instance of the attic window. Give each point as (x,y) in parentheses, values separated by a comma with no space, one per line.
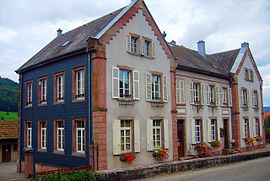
(66,43)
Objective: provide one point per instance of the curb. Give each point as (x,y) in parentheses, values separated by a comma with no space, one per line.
(178,166)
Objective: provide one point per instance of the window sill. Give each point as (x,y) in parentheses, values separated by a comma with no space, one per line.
(256,108)
(78,100)
(42,104)
(141,55)
(43,150)
(157,103)
(29,106)
(212,105)
(126,102)
(245,108)
(59,152)
(224,106)
(78,154)
(59,103)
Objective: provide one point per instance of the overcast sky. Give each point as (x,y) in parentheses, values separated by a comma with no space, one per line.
(28,25)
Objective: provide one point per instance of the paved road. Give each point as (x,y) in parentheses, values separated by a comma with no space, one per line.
(8,171)
(253,170)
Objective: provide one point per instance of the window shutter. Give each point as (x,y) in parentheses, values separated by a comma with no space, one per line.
(137,136)
(182,92)
(152,49)
(138,45)
(136,85)
(209,130)
(128,43)
(254,128)
(218,130)
(220,95)
(83,82)
(191,95)
(142,46)
(116,138)
(250,128)
(243,129)
(148,87)
(248,92)
(165,90)
(217,95)
(207,94)
(166,134)
(202,94)
(253,99)
(192,126)
(115,82)
(150,144)
(230,97)
(242,98)
(178,91)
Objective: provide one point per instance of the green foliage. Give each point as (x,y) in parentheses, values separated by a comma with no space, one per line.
(267,129)
(8,116)
(8,95)
(78,175)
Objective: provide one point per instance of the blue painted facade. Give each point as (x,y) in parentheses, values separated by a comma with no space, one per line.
(67,112)
(266,109)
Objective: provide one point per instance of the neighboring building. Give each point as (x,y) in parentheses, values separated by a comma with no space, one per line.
(246,85)
(266,112)
(203,99)
(104,85)
(8,141)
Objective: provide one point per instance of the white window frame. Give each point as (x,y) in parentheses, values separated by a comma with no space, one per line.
(43,135)
(80,131)
(29,135)
(255,99)
(212,94)
(80,84)
(155,90)
(213,130)
(60,136)
(157,128)
(147,47)
(224,96)
(196,92)
(134,44)
(246,125)
(124,142)
(29,94)
(60,88)
(198,134)
(245,97)
(123,80)
(43,90)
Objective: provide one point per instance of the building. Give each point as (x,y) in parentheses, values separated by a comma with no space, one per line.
(203,100)
(104,85)
(8,141)
(266,112)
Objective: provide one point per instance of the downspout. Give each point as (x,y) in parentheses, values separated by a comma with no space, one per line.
(90,117)
(20,121)
(231,108)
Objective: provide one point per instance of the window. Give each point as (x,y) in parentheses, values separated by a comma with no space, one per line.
(124,83)
(80,136)
(157,133)
(59,87)
(29,134)
(43,135)
(156,87)
(198,133)
(212,94)
(134,44)
(146,48)
(126,136)
(244,98)
(60,135)
(213,129)
(246,74)
(257,127)
(180,92)
(42,85)
(251,77)
(196,93)
(255,100)
(246,128)
(224,96)
(79,83)
(29,93)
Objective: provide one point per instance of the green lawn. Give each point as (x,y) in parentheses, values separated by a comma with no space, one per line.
(8,116)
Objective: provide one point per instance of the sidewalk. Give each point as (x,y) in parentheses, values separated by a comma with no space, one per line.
(182,166)
(8,171)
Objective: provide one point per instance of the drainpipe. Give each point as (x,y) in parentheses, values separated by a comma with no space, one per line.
(90,117)
(231,108)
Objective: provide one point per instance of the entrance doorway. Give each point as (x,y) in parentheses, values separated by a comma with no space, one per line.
(226,133)
(181,138)
(6,153)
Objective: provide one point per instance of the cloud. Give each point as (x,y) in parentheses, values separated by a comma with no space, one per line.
(28,25)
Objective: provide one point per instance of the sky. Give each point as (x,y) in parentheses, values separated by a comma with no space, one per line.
(28,25)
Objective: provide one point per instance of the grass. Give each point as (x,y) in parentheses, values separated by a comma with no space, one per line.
(11,116)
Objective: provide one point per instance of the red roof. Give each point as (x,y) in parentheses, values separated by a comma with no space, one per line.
(8,129)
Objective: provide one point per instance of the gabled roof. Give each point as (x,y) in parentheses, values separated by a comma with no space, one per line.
(75,40)
(192,59)
(8,129)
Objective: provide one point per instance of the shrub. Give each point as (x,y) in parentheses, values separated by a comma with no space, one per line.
(78,175)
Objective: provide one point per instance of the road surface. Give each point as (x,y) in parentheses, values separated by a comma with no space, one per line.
(252,170)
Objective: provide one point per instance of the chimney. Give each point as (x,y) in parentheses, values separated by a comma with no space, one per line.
(245,45)
(59,32)
(172,43)
(201,47)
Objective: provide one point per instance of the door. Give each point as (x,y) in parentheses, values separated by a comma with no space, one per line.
(181,138)
(6,153)
(226,133)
